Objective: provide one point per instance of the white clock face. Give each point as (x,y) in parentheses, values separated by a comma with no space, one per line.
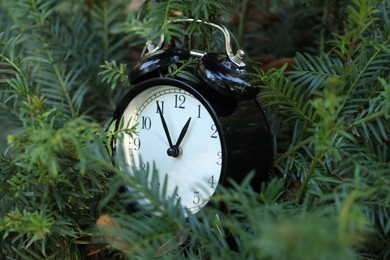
(177,133)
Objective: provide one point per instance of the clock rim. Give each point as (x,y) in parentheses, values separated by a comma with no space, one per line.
(155,82)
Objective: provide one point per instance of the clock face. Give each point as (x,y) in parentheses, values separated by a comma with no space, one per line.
(179,133)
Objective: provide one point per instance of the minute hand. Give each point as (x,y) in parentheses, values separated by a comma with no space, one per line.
(183,132)
(164,126)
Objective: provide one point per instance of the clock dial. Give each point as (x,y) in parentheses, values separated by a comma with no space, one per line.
(179,133)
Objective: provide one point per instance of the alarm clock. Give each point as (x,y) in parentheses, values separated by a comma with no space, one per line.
(198,135)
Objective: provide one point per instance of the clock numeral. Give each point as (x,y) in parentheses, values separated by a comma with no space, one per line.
(161,105)
(146,123)
(196,197)
(219,154)
(199,111)
(179,101)
(137,144)
(214,134)
(211,182)
(143,167)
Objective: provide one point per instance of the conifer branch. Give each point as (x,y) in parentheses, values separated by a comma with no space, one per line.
(368,118)
(309,175)
(346,208)
(105,26)
(61,82)
(361,72)
(292,150)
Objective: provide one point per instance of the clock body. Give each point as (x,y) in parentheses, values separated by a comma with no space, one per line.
(195,136)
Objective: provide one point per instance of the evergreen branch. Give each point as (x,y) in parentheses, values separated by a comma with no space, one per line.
(292,150)
(166,18)
(105,17)
(61,81)
(362,71)
(312,73)
(373,119)
(309,175)
(368,118)
(14,66)
(242,22)
(345,211)
(10,112)
(113,74)
(105,29)
(282,94)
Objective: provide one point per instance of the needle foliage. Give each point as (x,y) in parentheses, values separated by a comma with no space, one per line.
(64,67)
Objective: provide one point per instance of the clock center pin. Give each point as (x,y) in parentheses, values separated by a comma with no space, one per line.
(174,151)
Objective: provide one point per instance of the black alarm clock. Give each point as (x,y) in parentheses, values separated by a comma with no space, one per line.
(197,134)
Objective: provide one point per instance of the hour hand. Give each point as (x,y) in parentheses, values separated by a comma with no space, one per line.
(183,132)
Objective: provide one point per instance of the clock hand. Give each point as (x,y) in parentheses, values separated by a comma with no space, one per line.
(164,125)
(183,132)
(162,138)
